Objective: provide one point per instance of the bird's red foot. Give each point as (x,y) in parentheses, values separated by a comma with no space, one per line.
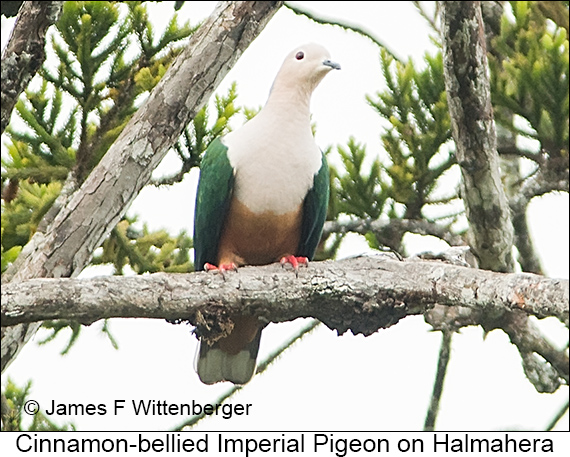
(294,262)
(222,268)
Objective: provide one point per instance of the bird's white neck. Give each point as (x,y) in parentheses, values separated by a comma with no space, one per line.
(291,104)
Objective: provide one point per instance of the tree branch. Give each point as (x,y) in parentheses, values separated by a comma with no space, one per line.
(443,361)
(91,213)
(543,372)
(25,52)
(342,24)
(524,334)
(515,151)
(528,258)
(362,294)
(384,229)
(563,410)
(469,99)
(537,185)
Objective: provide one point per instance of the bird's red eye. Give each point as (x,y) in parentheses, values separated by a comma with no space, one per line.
(300,55)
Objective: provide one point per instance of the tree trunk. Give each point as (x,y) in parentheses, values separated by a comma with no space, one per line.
(491,233)
(469,97)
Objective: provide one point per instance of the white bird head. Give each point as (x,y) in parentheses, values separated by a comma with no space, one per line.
(303,69)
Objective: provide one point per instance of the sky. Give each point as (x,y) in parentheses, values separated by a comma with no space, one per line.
(327,382)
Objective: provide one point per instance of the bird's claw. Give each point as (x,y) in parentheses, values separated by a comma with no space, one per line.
(294,262)
(222,268)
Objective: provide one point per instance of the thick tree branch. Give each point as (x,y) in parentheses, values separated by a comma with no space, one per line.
(25,52)
(362,294)
(524,334)
(469,97)
(543,372)
(91,213)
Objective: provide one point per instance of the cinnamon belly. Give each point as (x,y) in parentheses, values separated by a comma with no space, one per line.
(250,238)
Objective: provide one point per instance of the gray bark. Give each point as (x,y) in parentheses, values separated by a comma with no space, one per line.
(67,244)
(469,97)
(360,294)
(25,52)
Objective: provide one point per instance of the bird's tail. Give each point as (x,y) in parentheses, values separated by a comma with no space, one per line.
(230,359)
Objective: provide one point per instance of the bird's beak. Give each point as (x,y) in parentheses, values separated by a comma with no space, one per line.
(330,63)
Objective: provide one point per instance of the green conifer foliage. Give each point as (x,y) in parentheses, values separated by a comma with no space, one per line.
(529,77)
(13,401)
(414,110)
(415,105)
(102,60)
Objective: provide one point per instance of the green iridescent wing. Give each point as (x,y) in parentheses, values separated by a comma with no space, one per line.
(315,212)
(212,201)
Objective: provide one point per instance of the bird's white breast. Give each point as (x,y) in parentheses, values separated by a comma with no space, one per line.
(274,165)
